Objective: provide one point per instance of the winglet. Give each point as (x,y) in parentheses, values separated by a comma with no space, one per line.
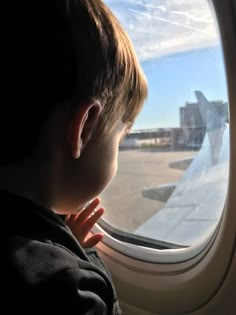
(212,120)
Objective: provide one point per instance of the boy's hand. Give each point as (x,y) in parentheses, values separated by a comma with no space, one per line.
(81,224)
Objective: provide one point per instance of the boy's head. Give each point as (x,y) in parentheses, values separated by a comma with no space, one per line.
(70,57)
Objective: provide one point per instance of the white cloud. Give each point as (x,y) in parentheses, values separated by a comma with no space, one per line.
(163,27)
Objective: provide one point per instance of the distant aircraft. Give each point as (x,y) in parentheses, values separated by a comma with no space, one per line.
(194,204)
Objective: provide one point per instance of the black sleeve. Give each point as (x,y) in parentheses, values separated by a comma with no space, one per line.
(77,291)
(95,258)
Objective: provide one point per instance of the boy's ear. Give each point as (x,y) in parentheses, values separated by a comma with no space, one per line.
(82,125)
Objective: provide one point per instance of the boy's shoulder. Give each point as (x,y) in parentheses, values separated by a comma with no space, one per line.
(51,257)
(38,255)
(45,266)
(40,271)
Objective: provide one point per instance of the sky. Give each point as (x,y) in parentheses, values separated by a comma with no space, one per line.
(179,49)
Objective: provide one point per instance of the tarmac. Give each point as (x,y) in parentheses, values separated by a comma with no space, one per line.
(125,207)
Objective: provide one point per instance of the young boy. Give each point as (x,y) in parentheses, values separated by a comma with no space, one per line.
(72,87)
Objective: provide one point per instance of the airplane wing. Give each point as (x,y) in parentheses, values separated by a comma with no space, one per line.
(194,204)
(161,193)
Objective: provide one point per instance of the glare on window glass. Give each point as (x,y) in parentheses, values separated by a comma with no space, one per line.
(172,177)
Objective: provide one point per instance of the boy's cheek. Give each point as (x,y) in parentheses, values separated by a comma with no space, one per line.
(111,173)
(107,176)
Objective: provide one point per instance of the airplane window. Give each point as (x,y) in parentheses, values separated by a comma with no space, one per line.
(171,183)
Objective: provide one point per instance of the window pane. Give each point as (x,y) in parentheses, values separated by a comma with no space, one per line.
(172,177)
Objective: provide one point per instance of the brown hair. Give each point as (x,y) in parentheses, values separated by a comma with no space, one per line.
(69,51)
(113,74)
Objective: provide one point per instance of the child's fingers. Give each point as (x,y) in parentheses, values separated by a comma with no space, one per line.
(71,217)
(89,223)
(67,217)
(93,240)
(87,211)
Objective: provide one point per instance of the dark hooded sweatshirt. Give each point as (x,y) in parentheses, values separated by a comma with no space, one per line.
(43,268)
